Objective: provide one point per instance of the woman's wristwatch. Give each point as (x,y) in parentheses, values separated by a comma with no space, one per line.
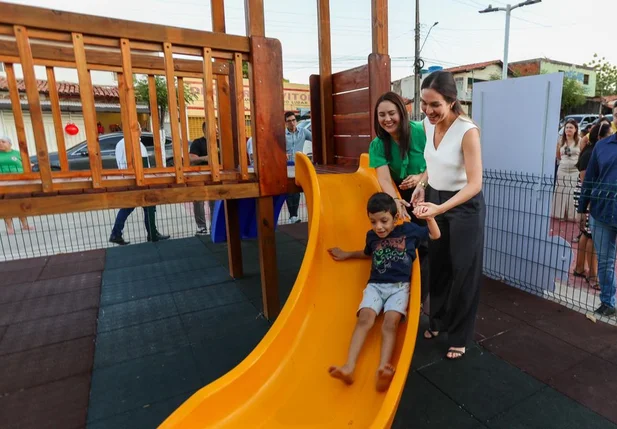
(423,184)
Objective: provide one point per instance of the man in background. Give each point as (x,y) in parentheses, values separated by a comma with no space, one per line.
(199,156)
(294,138)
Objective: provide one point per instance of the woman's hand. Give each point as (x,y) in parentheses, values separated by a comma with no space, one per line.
(401,206)
(418,196)
(411,181)
(427,210)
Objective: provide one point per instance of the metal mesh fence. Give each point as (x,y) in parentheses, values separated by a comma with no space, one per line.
(534,241)
(81,231)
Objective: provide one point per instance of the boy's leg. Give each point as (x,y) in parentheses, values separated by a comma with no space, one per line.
(388,341)
(366,320)
(10,229)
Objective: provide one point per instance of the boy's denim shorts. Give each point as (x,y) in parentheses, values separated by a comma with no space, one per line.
(386,297)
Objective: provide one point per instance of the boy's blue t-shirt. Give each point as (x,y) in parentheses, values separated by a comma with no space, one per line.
(393,256)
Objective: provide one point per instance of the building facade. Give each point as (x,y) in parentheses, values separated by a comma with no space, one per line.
(585,75)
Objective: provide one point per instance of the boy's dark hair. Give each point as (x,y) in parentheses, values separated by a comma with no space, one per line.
(288,114)
(381,202)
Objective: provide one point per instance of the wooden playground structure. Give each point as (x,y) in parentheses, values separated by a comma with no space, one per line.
(342,108)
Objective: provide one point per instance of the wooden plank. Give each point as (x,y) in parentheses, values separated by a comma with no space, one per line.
(108,27)
(225,124)
(379,29)
(357,124)
(87,101)
(18,116)
(131,110)
(173,112)
(267,257)
(57,118)
(234,240)
(34,103)
(126,122)
(213,151)
(97,58)
(154,116)
(349,80)
(254,18)
(351,147)
(218,15)
(235,117)
(314,84)
(184,126)
(239,122)
(379,82)
(267,120)
(351,102)
(14,207)
(325,77)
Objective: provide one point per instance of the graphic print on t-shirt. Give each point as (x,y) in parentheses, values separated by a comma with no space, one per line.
(387,251)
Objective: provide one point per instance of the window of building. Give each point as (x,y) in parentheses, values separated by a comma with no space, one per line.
(1,67)
(586,79)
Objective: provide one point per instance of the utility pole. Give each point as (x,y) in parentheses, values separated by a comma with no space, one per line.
(417,67)
(508,9)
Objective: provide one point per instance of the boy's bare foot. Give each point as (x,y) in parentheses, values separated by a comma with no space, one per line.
(384,377)
(27,228)
(344,373)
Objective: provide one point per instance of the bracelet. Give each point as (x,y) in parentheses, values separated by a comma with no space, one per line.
(423,184)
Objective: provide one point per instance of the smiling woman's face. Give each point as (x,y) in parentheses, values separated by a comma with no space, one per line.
(5,146)
(389,117)
(434,106)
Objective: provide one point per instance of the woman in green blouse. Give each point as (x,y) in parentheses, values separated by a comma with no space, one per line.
(397,154)
(10,162)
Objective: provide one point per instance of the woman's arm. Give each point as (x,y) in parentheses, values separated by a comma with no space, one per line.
(558,155)
(385,181)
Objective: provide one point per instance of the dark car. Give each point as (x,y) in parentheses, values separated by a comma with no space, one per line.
(78,155)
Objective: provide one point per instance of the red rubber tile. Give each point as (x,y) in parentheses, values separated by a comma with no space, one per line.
(42,365)
(535,352)
(22,264)
(25,275)
(592,383)
(519,304)
(71,268)
(47,306)
(609,353)
(37,333)
(77,257)
(61,404)
(574,328)
(39,288)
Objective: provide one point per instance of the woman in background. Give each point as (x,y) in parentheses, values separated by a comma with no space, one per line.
(10,163)
(568,151)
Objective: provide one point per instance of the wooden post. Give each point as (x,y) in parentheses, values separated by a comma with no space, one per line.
(269,149)
(213,158)
(315,85)
(379,29)
(232,216)
(173,111)
(126,123)
(325,75)
(184,127)
(57,116)
(240,129)
(36,113)
(131,109)
(154,116)
(19,118)
(379,82)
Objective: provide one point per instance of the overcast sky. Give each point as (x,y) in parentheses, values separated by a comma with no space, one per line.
(563,30)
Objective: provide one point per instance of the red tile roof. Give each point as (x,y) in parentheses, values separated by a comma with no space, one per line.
(66,89)
(475,66)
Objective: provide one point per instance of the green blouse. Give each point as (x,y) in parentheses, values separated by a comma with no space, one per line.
(412,163)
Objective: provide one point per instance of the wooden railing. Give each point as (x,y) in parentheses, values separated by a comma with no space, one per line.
(38,37)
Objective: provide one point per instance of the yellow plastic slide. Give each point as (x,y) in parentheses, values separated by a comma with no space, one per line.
(284,382)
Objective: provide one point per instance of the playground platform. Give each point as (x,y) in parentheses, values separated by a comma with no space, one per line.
(119,338)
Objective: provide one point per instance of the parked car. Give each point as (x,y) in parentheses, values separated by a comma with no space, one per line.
(308,146)
(78,154)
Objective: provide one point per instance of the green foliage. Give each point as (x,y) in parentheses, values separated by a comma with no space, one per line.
(606,76)
(573,94)
(142,94)
(245,70)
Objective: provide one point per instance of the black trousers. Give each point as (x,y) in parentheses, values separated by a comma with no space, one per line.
(422,247)
(456,267)
(293,203)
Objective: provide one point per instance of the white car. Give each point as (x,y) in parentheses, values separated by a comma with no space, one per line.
(308,146)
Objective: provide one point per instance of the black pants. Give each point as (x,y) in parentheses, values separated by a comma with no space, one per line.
(456,267)
(422,247)
(293,203)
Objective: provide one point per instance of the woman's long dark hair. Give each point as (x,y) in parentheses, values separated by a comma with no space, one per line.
(599,131)
(577,137)
(443,82)
(404,130)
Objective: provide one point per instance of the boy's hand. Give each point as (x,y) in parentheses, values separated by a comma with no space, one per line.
(338,254)
(419,211)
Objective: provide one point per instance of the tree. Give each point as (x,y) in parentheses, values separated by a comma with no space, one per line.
(606,76)
(573,94)
(142,94)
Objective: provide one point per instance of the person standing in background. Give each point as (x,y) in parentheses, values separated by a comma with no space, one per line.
(10,163)
(295,138)
(199,156)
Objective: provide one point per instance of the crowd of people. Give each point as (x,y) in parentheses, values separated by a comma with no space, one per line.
(585,189)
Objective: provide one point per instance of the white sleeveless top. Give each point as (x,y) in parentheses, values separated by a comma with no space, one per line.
(446,165)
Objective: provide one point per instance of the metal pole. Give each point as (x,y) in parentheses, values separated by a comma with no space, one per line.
(504,72)
(416,91)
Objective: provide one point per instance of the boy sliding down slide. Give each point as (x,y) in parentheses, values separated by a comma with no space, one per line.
(393,250)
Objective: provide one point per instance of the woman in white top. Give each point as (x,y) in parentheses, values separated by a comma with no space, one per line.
(568,151)
(452,188)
